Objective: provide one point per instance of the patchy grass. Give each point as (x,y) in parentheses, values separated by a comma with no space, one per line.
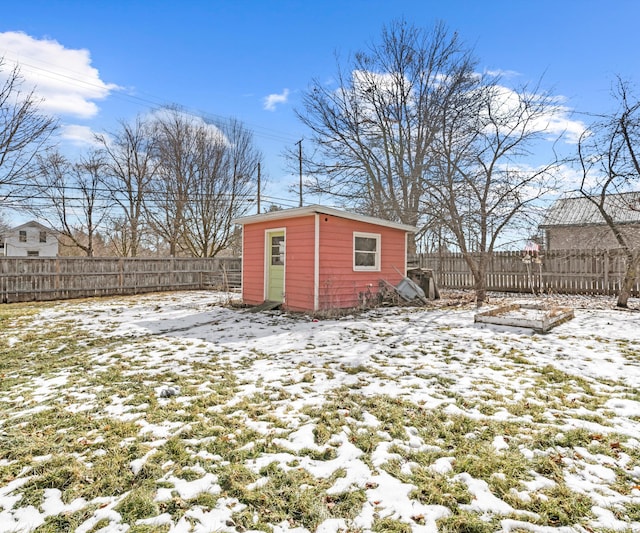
(466,522)
(375,421)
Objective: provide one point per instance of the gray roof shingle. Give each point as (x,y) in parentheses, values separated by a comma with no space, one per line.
(580,211)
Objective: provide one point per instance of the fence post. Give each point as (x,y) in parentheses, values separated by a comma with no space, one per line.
(605,270)
(121,274)
(56,277)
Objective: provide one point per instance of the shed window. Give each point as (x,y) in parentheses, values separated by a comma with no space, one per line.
(33,253)
(43,236)
(23,235)
(366,251)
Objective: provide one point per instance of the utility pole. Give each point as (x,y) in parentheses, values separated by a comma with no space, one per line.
(258,188)
(299,143)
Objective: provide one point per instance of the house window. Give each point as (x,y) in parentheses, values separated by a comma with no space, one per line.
(33,253)
(23,236)
(43,236)
(366,251)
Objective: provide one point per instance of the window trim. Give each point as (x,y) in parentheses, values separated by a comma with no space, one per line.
(376,267)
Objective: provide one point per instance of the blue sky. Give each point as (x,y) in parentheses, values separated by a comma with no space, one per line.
(97,62)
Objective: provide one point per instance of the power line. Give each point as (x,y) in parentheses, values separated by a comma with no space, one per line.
(155,101)
(22,201)
(111,190)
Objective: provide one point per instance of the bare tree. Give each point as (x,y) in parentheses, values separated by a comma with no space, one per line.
(4,224)
(73,190)
(373,135)
(173,149)
(203,180)
(4,228)
(482,183)
(609,158)
(128,173)
(222,186)
(24,131)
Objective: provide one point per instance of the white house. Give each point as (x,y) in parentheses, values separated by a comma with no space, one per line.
(31,239)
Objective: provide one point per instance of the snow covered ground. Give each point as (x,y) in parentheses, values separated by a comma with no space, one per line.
(179,412)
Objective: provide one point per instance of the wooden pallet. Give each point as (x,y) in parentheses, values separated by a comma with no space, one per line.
(264,306)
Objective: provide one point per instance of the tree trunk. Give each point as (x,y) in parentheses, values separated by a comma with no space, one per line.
(133,248)
(628,281)
(481,292)
(412,249)
(480,280)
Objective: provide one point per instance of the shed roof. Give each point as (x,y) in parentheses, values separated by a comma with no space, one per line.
(322,210)
(581,211)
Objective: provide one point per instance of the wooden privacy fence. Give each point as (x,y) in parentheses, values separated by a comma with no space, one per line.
(38,278)
(560,271)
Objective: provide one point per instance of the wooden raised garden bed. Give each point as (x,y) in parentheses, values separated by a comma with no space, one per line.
(534,316)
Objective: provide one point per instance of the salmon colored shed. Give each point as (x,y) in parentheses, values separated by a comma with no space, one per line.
(317,258)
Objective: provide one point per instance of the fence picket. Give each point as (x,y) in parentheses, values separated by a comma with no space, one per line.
(38,278)
(563,271)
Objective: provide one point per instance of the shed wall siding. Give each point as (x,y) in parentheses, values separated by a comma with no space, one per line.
(339,285)
(253,264)
(299,262)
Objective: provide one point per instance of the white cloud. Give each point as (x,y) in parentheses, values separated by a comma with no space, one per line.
(570,179)
(78,135)
(559,122)
(271,101)
(63,77)
(173,116)
(555,121)
(499,73)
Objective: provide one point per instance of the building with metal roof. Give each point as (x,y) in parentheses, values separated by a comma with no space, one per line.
(576,222)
